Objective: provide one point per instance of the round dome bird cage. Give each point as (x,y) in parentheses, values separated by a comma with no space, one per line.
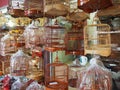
(19,63)
(32,36)
(56,76)
(16,8)
(55,8)
(97,38)
(34,8)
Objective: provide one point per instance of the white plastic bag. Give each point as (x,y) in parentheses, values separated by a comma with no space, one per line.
(94,77)
(35,86)
(19,63)
(7,44)
(32,36)
(17,85)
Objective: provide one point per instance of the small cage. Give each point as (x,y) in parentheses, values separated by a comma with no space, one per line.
(74,41)
(54,8)
(7,45)
(19,63)
(36,69)
(56,76)
(97,39)
(16,8)
(32,35)
(34,8)
(54,36)
(5,64)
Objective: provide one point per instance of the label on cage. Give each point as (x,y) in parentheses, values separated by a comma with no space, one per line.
(18,4)
(53,83)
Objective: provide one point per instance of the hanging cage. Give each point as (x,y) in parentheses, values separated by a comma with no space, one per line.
(93,5)
(96,40)
(16,8)
(19,63)
(32,36)
(7,45)
(54,8)
(56,76)
(34,8)
(36,69)
(74,41)
(54,37)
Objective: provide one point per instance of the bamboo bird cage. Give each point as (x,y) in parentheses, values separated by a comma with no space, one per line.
(96,40)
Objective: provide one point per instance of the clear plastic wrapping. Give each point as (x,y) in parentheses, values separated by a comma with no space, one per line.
(32,36)
(7,45)
(95,77)
(17,85)
(19,63)
(35,86)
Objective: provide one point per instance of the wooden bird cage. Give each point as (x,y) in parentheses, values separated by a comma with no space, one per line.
(77,16)
(19,64)
(5,64)
(55,8)
(93,5)
(34,8)
(56,76)
(96,39)
(16,8)
(54,37)
(74,41)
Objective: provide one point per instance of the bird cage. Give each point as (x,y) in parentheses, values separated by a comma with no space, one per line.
(7,45)
(96,38)
(34,8)
(78,16)
(56,76)
(54,8)
(93,5)
(32,36)
(5,64)
(54,37)
(19,63)
(36,69)
(74,41)
(16,8)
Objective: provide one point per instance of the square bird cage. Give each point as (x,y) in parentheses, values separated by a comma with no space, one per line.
(97,38)
(56,76)
(54,37)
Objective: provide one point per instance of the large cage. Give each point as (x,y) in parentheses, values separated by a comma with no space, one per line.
(54,37)
(56,76)
(74,41)
(97,38)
